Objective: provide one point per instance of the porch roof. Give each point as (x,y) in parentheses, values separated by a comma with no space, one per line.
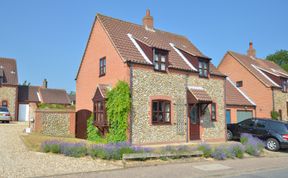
(198,95)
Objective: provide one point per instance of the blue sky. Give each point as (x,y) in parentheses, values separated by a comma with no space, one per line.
(48,37)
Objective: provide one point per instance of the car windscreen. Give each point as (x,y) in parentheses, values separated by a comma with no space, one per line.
(279,127)
(3,110)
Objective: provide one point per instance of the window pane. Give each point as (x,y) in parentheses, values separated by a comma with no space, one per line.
(205,65)
(161,105)
(163,66)
(156,57)
(200,72)
(156,66)
(154,117)
(205,73)
(155,106)
(163,58)
(160,117)
(167,107)
(200,65)
(167,117)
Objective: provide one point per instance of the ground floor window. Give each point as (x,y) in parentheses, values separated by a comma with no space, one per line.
(161,112)
(4,103)
(213,112)
(99,112)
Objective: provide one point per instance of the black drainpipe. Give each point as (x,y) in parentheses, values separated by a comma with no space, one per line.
(131,110)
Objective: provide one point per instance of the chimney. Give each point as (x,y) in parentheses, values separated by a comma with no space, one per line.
(148,20)
(251,52)
(45,83)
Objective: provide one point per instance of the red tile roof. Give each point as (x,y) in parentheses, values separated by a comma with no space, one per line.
(200,94)
(28,94)
(235,96)
(257,66)
(118,31)
(8,69)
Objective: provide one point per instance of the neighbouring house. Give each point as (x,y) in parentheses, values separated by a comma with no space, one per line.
(239,105)
(263,81)
(72,98)
(30,97)
(177,93)
(9,86)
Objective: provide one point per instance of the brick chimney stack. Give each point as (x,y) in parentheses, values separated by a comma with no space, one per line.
(45,83)
(251,52)
(148,20)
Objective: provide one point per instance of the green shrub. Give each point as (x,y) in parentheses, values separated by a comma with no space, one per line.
(206,149)
(243,140)
(74,149)
(92,132)
(275,115)
(55,148)
(118,108)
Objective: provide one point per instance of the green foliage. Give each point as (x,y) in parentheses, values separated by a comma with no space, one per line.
(118,108)
(243,140)
(92,132)
(51,106)
(274,115)
(206,149)
(280,58)
(55,148)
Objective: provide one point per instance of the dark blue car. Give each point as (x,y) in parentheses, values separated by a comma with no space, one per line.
(273,132)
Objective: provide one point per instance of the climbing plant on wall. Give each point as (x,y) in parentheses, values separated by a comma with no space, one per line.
(118,108)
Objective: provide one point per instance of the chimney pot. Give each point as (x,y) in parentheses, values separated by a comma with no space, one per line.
(45,83)
(148,21)
(251,52)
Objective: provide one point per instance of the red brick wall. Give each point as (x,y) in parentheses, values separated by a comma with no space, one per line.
(254,88)
(98,46)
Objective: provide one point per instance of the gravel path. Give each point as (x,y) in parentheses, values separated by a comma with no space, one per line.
(17,161)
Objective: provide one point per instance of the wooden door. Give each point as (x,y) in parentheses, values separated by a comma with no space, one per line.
(194,122)
(81,123)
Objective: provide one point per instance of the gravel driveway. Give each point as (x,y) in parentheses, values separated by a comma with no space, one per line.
(17,161)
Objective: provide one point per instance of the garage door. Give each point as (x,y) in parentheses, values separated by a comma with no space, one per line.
(242,115)
(23,112)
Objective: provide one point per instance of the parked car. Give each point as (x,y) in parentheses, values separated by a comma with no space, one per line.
(4,115)
(274,133)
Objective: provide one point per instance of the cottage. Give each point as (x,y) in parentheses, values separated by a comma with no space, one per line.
(8,86)
(263,81)
(177,93)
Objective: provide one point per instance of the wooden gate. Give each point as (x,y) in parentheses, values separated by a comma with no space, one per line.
(81,123)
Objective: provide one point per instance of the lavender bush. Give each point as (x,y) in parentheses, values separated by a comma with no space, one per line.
(220,153)
(253,145)
(51,146)
(237,150)
(206,149)
(74,149)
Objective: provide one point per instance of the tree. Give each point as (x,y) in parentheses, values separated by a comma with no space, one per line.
(280,58)
(25,83)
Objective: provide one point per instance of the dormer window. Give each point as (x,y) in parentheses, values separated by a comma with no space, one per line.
(203,68)
(284,85)
(160,60)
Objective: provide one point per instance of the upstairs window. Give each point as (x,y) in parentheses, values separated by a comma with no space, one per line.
(213,111)
(284,85)
(239,83)
(160,60)
(161,112)
(203,68)
(102,67)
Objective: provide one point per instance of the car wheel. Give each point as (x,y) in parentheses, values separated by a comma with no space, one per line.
(229,135)
(272,144)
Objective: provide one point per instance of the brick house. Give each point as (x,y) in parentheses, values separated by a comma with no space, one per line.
(9,86)
(239,106)
(29,98)
(263,81)
(177,93)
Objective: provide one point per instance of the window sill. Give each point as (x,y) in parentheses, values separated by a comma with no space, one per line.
(101,75)
(158,124)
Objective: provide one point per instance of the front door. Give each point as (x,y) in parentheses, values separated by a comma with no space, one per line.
(194,122)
